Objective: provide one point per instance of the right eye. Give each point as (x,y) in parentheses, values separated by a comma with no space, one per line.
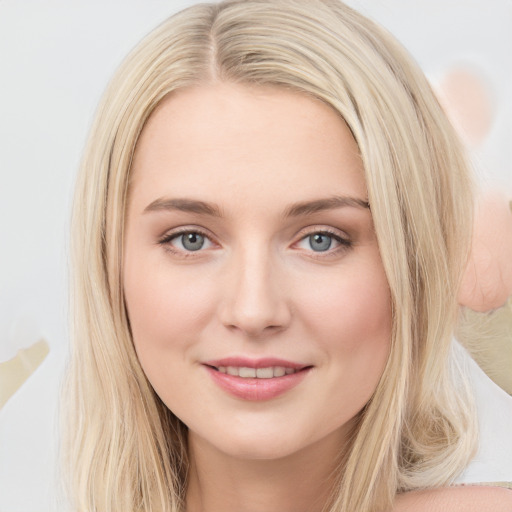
(186,241)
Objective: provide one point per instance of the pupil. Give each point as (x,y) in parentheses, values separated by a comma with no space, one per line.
(193,241)
(320,242)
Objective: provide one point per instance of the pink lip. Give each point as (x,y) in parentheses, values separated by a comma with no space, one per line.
(252,388)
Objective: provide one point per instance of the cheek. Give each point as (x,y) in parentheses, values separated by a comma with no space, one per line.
(166,309)
(351,323)
(352,311)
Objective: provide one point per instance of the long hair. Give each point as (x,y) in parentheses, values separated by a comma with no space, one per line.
(124,449)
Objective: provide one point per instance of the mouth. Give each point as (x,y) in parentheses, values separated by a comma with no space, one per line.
(246,372)
(256,380)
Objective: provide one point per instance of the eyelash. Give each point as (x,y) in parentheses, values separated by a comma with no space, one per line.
(169,237)
(344,243)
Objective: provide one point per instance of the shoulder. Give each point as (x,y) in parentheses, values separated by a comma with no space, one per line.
(456,499)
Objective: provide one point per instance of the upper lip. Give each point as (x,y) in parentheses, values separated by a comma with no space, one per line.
(245,362)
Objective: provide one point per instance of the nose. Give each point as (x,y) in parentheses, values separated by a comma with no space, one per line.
(254,301)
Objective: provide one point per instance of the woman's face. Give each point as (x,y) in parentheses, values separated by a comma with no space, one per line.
(257,299)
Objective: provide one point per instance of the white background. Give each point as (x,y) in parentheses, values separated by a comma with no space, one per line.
(55,59)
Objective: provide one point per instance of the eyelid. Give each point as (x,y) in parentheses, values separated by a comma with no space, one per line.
(312,230)
(165,240)
(343,240)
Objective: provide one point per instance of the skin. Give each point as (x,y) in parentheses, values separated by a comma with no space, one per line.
(456,499)
(257,287)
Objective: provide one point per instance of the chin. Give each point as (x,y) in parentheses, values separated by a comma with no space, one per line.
(252,445)
(260,450)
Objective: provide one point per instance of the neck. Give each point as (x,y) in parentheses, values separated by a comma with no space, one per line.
(300,482)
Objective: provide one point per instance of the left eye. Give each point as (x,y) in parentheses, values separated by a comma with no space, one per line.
(320,242)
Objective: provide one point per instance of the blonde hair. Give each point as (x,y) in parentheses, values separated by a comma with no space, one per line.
(125,449)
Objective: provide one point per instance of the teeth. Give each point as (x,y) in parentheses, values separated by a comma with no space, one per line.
(259,373)
(247,372)
(279,371)
(264,373)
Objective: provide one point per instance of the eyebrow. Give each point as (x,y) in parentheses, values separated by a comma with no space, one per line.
(294,210)
(330,203)
(184,205)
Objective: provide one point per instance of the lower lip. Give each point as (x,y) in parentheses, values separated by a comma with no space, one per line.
(256,389)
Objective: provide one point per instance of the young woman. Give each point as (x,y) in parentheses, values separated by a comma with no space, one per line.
(270,225)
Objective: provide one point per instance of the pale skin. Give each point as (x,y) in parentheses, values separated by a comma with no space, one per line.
(248,235)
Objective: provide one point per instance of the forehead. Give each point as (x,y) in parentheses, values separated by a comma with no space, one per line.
(215,140)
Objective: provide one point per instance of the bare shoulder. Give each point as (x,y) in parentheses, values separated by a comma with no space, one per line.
(456,499)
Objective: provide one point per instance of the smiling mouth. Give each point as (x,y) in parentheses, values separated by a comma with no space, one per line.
(257,373)
(269,372)
(256,380)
